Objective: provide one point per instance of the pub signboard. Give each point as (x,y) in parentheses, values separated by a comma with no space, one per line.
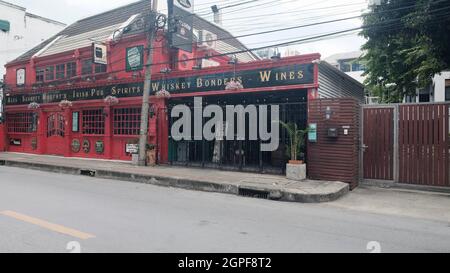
(296,74)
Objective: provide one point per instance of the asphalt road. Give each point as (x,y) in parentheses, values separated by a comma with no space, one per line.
(44,212)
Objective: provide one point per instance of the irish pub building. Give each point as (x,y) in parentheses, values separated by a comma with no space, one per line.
(57,101)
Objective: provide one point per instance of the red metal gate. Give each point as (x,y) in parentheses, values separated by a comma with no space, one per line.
(423,144)
(378,143)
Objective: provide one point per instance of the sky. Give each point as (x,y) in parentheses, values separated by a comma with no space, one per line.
(256,16)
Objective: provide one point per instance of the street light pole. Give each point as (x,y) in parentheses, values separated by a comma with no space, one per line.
(143,133)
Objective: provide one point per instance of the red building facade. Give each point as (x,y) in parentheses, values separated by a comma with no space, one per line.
(58,102)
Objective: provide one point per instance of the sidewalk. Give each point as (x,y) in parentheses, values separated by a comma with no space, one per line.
(272,187)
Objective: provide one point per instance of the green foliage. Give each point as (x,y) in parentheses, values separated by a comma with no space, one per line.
(408,43)
(296,139)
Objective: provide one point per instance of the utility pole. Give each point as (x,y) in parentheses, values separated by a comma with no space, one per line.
(143,133)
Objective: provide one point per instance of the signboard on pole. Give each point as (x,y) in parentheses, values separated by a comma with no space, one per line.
(100,53)
(181,24)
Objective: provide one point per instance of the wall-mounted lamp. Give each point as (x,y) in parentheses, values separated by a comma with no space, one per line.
(151,111)
(328,113)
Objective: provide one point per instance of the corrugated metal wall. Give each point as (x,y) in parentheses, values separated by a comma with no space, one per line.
(334,83)
(335,158)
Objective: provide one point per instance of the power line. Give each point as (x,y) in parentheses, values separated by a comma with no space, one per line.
(301,40)
(314,38)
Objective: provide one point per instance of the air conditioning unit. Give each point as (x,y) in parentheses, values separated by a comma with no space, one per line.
(207,39)
(185,60)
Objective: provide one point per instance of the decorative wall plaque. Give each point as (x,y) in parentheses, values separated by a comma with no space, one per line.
(86,146)
(76,145)
(99,147)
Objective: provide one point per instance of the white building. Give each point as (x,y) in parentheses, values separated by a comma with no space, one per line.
(20,31)
(349,63)
(438,91)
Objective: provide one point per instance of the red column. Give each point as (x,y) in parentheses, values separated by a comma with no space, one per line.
(108,132)
(41,132)
(68,132)
(3,138)
(159,129)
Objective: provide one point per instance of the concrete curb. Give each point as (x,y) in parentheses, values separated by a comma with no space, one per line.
(392,185)
(281,194)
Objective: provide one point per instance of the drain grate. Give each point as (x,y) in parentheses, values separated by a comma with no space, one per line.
(87,173)
(254,193)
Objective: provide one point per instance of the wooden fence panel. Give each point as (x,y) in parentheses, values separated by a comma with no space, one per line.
(378,137)
(423,144)
(334,159)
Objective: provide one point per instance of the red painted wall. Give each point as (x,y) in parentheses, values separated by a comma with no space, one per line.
(2,137)
(115,145)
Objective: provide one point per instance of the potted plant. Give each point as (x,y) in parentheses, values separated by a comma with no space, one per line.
(151,154)
(295,169)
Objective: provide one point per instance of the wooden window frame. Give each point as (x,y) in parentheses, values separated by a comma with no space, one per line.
(60,71)
(126,121)
(23,123)
(93,122)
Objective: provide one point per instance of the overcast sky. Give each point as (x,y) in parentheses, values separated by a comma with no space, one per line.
(253,17)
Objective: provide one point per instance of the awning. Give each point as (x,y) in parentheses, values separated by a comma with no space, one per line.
(4,25)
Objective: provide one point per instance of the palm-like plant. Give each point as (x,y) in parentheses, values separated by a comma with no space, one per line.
(296,139)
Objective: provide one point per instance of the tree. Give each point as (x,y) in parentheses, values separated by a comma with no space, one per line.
(408,42)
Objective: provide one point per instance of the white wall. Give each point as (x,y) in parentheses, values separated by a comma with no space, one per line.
(26,32)
(439,86)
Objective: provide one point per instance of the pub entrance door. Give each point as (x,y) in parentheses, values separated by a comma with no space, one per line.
(55,133)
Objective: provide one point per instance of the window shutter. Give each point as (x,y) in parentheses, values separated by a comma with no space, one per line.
(4,25)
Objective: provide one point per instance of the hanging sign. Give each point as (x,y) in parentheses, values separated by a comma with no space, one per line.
(100,53)
(181,24)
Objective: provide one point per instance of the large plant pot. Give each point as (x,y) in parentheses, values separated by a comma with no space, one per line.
(296,171)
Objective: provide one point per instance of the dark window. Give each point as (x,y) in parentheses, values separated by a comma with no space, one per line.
(127,121)
(86,68)
(424,97)
(93,122)
(71,69)
(60,71)
(40,72)
(345,67)
(49,73)
(100,68)
(21,122)
(447,93)
(357,67)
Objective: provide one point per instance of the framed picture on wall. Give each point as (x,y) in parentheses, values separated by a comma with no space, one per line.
(20,76)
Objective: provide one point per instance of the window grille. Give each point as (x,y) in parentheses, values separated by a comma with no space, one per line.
(55,125)
(60,71)
(49,73)
(100,68)
(40,72)
(21,122)
(126,121)
(86,68)
(71,69)
(93,122)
